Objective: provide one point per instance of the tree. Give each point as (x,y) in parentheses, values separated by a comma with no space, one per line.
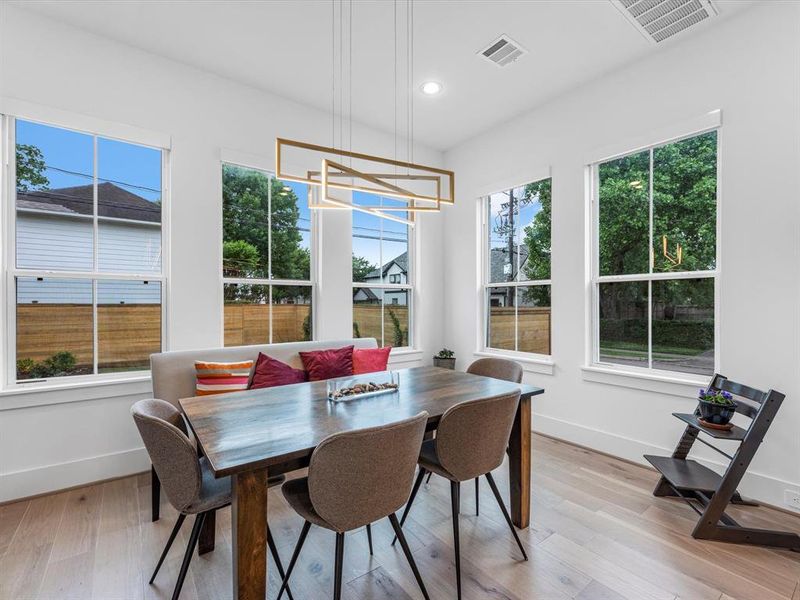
(239,259)
(536,242)
(31,168)
(362,267)
(684,210)
(250,239)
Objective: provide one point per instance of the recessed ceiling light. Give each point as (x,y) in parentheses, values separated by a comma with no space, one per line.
(431,88)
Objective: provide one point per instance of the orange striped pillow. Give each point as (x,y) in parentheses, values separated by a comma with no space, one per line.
(221,378)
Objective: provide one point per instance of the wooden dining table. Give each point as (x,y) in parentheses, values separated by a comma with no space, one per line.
(256,434)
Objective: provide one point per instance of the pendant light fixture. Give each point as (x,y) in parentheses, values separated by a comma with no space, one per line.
(419,188)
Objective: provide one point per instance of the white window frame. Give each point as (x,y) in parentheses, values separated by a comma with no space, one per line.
(596,279)
(409,286)
(95,129)
(487,286)
(253,163)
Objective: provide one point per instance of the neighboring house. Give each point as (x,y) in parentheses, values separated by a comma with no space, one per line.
(395,271)
(503,267)
(55,231)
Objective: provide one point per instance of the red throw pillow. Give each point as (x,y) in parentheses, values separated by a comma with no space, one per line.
(270,372)
(327,364)
(370,360)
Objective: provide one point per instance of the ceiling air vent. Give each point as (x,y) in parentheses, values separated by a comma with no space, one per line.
(503,51)
(659,20)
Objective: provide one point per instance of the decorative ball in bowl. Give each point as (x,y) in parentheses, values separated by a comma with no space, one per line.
(716,407)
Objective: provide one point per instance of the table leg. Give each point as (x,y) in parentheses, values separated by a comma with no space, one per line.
(249,529)
(519,464)
(207,534)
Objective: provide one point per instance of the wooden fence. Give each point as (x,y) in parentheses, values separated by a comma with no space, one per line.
(129,333)
(534,329)
(368,319)
(126,333)
(247,324)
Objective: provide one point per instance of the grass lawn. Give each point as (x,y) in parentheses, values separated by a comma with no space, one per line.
(635,350)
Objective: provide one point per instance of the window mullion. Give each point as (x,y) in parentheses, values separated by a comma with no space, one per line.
(95,258)
(651,256)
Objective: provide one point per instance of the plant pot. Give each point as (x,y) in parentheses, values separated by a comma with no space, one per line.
(718,414)
(444,363)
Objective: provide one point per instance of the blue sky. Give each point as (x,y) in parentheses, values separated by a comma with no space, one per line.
(69,157)
(368,230)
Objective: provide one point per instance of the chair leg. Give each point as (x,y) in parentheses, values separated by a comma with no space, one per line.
(455,501)
(187,558)
(427,481)
(155,494)
(175,530)
(295,554)
(369,537)
(477,496)
(276,557)
(409,557)
(496,492)
(337,574)
(414,491)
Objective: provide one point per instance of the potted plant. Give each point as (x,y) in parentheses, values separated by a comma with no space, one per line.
(446,359)
(716,407)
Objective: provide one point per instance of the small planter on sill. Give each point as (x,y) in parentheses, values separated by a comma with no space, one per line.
(445,359)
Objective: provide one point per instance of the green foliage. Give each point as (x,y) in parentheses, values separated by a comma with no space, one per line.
(246,212)
(696,335)
(684,210)
(60,364)
(24,367)
(362,267)
(713,396)
(445,353)
(239,258)
(30,168)
(538,233)
(399,336)
(307,333)
(356,330)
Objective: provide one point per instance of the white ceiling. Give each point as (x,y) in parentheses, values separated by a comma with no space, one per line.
(284,47)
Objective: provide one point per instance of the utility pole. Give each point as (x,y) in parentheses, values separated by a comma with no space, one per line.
(511,291)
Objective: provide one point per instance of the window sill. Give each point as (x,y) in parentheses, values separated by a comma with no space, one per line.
(28,396)
(404,355)
(530,363)
(684,386)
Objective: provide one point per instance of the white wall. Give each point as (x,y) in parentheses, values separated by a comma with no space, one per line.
(748,67)
(51,446)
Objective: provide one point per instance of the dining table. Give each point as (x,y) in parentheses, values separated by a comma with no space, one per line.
(252,435)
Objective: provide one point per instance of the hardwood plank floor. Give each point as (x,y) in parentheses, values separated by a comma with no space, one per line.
(597,533)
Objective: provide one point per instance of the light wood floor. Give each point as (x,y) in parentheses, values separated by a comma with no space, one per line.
(597,533)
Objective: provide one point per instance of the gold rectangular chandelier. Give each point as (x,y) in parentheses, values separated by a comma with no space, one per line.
(367,173)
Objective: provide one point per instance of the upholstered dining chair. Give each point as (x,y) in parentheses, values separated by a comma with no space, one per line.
(356,478)
(187,479)
(470,441)
(496,368)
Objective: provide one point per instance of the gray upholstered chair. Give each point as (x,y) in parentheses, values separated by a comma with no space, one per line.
(470,441)
(188,481)
(496,368)
(356,478)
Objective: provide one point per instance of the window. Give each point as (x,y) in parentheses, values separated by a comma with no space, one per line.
(85,262)
(266,258)
(382,274)
(517,269)
(655,257)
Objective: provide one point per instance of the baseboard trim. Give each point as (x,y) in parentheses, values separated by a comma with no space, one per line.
(762,488)
(19,485)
